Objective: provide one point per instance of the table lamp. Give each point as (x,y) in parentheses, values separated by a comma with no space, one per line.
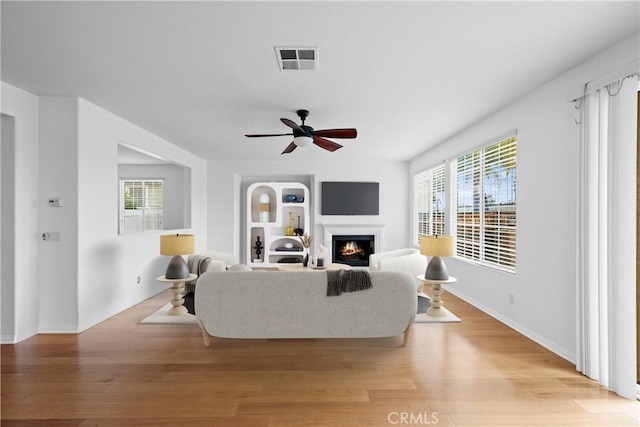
(436,247)
(176,245)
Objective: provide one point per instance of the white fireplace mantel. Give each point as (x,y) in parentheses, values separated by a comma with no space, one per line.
(352,229)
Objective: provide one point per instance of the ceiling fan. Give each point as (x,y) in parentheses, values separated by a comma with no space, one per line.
(304,135)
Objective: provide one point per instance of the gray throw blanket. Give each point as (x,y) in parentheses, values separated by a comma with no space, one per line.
(347,281)
(197,265)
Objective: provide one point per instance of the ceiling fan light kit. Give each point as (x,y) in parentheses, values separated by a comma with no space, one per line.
(304,135)
(303,141)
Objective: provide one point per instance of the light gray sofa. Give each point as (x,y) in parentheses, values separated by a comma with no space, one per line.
(293,304)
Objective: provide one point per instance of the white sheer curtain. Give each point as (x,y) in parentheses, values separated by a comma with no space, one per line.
(606,261)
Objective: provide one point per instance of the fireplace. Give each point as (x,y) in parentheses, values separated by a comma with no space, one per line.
(353,250)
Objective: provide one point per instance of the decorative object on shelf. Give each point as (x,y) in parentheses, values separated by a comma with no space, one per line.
(291,249)
(299,199)
(264,207)
(307,241)
(436,247)
(290,231)
(290,198)
(299,231)
(176,245)
(321,254)
(258,248)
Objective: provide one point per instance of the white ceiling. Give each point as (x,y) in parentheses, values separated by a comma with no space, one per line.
(202,74)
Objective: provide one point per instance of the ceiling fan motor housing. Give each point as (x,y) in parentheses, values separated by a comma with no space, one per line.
(308,131)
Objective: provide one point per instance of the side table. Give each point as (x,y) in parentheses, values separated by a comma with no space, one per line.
(436,289)
(178,290)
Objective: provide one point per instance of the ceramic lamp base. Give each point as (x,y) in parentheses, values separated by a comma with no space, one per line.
(436,269)
(177,268)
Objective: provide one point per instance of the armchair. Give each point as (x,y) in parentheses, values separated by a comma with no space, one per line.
(407,260)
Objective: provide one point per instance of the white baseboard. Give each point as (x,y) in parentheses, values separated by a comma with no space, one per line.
(57,331)
(549,345)
(7,339)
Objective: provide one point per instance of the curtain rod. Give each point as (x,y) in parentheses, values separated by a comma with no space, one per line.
(626,71)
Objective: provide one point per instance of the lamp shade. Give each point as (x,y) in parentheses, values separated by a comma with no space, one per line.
(176,244)
(440,246)
(302,141)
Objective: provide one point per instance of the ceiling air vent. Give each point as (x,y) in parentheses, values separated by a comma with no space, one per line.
(297,58)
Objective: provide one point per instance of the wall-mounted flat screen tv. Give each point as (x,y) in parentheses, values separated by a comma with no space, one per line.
(350,198)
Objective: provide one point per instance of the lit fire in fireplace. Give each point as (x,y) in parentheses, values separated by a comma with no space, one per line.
(351,250)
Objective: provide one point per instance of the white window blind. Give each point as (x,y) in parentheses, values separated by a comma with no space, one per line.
(141,205)
(486,205)
(430,202)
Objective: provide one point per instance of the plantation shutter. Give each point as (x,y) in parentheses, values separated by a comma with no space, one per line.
(430,202)
(141,205)
(500,203)
(486,205)
(438,201)
(153,204)
(468,206)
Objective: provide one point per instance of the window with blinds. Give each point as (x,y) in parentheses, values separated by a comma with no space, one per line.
(486,205)
(141,205)
(430,202)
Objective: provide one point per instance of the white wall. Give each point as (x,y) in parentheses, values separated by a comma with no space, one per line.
(7,228)
(543,287)
(23,107)
(224,206)
(91,273)
(58,260)
(108,263)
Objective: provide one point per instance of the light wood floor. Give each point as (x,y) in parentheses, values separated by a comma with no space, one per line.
(475,373)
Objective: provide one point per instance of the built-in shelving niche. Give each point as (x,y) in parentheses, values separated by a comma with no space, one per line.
(284,198)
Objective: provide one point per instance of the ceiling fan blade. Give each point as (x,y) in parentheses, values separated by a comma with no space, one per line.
(289,148)
(325,143)
(336,133)
(293,125)
(268,134)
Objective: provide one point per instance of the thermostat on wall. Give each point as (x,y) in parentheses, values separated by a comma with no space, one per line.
(55,202)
